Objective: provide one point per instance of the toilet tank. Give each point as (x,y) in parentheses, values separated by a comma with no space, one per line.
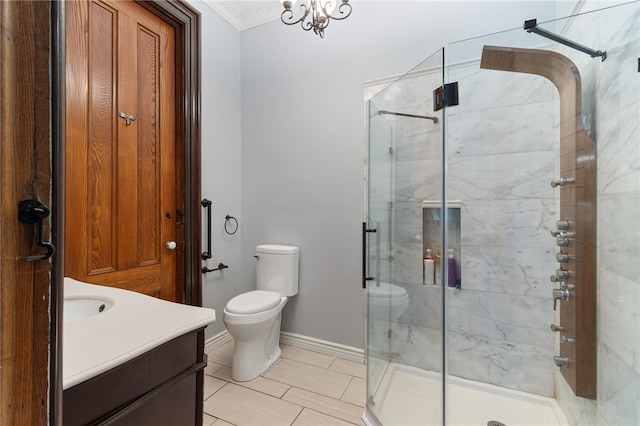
(277,269)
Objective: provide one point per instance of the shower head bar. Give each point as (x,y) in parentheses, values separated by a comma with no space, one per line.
(531,26)
(401,114)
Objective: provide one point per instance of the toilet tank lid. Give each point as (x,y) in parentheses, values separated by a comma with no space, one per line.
(277,249)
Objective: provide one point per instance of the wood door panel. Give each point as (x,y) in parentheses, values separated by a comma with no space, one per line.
(100,137)
(129,205)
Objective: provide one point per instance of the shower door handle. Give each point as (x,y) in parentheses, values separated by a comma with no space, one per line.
(365,230)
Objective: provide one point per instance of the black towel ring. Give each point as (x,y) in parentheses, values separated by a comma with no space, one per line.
(226,225)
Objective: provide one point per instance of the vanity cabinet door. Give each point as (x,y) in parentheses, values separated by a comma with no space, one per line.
(161,387)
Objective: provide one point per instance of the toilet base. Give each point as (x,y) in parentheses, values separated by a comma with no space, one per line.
(252,358)
(249,364)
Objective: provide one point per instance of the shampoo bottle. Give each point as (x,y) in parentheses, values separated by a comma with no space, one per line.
(428,268)
(451,271)
(437,265)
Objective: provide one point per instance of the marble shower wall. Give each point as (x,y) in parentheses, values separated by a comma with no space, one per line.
(501,147)
(611,92)
(501,158)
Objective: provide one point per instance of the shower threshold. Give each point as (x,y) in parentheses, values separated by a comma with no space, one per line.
(412,396)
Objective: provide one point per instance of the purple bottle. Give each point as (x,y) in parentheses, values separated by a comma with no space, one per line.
(451,275)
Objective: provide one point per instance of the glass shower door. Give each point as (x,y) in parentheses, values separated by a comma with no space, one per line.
(404,308)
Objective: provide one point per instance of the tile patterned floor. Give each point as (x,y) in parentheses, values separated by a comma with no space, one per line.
(303,388)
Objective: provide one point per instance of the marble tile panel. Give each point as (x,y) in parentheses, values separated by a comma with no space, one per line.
(502,130)
(380,183)
(407,265)
(419,347)
(418,138)
(619,234)
(619,317)
(407,221)
(526,223)
(482,89)
(508,269)
(380,139)
(619,151)
(502,176)
(579,411)
(515,366)
(425,306)
(417,180)
(618,389)
(505,318)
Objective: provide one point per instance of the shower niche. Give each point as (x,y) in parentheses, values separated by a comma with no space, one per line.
(432,248)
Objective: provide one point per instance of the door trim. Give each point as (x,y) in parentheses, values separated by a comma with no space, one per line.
(186,22)
(58,207)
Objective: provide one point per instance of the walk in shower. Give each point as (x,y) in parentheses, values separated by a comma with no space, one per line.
(491,299)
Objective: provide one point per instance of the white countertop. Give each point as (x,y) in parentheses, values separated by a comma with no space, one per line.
(133,325)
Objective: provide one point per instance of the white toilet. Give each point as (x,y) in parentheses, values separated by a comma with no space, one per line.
(253,318)
(386,299)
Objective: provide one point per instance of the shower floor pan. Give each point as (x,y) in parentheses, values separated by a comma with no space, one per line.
(411,396)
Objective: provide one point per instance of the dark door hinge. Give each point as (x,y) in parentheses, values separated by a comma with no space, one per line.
(445,96)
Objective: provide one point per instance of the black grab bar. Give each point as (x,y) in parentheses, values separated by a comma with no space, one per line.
(207,254)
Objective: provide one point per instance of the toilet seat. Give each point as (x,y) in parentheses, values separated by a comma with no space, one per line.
(253,302)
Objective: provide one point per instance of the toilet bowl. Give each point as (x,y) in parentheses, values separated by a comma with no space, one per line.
(253,318)
(387,301)
(254,323)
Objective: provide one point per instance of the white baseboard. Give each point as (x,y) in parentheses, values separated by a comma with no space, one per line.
(299,341)
(218,340)
(322,346)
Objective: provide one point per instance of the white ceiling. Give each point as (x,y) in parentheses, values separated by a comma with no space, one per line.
(245,14)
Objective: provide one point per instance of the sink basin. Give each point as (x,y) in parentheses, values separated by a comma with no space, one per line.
(84,307)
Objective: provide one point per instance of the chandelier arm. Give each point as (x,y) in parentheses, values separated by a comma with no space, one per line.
(288,20)
(342,15)
(320,16)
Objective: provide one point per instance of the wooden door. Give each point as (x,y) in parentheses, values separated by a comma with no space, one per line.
(121,171)
(25,168)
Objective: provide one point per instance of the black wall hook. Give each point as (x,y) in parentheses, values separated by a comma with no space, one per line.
(34,212)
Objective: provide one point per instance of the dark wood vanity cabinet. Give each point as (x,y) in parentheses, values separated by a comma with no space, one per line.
(163,386)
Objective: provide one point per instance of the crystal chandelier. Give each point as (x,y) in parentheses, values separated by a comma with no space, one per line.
(315,14)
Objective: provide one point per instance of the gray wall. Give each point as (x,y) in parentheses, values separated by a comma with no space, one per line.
(283,130)
(303,140)
(221,149)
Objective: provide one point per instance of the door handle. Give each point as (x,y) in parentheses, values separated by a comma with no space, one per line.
(365,230)
(34,212)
